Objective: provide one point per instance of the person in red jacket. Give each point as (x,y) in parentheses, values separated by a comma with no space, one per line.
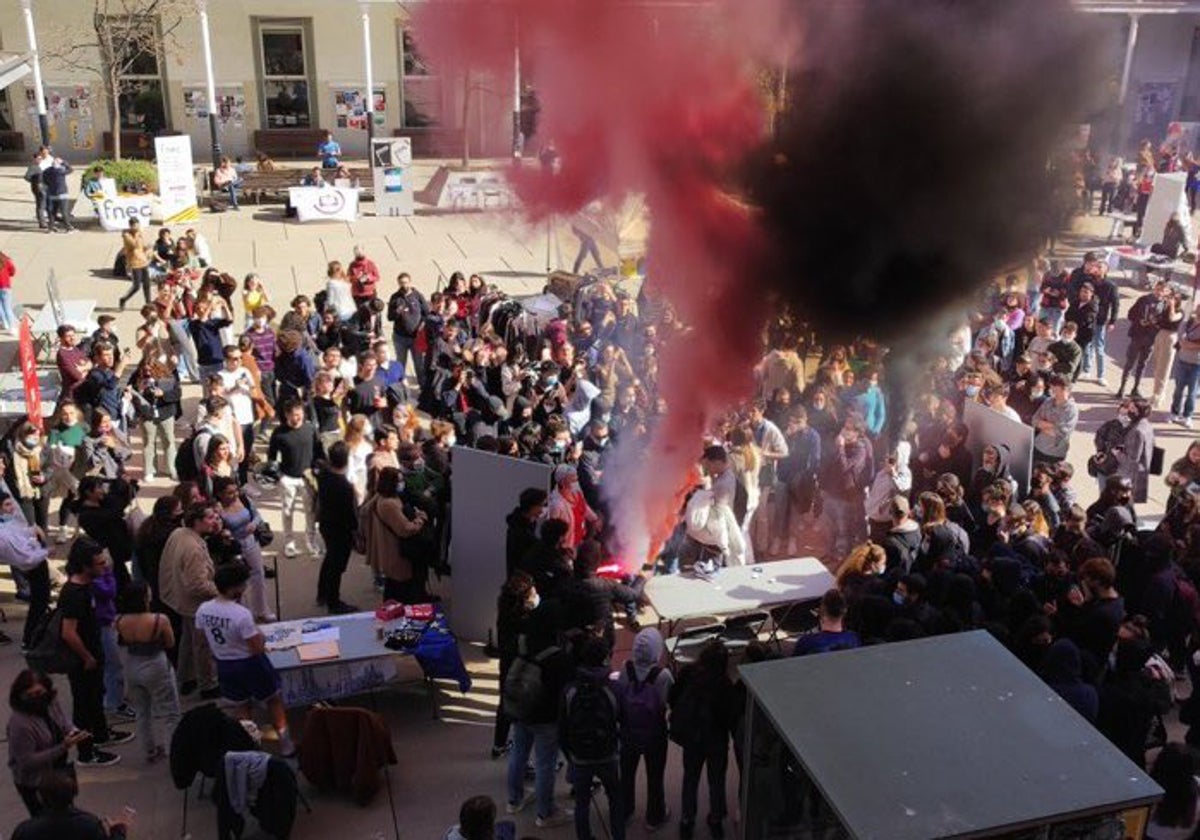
(364,274)
(8,318)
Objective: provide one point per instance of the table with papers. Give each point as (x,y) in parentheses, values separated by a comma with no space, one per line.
(328,657)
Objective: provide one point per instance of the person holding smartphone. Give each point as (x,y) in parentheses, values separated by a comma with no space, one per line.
(39,735)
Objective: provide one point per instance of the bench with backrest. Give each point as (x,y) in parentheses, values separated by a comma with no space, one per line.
(134,144)
(272,187)
(289,142)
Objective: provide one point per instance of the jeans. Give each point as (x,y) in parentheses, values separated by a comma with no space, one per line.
(188,366)
(255,598)
(60,209)
(587,245)
(1187,377)
(39,205)
(846,524)
(1135,362)
(39,598)
(150,686)
(542,740)
(232,189)
(716,759)
(403,345)
(151,429)
(1163,356)
(337,556)
(114,672)
(1095,347)
(1107,190)
(8,318)
(139,280)
(609,777)
(656,763)
(87,707)
(295,491)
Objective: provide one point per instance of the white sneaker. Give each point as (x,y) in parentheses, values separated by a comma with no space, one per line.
(559,817)
(289,550)
(313,547)
(1187,423)
(510,808)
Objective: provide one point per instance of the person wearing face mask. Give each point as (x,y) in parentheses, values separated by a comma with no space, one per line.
(1054,421)
(1132,456)
(39,735)
(23,548)
(518,599)
(522,522)
(832,634)
(388,524)
(568,504)
(592,462)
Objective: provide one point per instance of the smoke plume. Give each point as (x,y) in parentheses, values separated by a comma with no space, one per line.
(911,165)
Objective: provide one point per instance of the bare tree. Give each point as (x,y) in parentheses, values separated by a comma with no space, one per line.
(128,38)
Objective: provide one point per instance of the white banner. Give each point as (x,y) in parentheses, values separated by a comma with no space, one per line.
(115,213)
(323,203)
(176,181)
(391,175)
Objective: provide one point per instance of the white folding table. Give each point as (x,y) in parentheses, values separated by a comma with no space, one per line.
(737,589)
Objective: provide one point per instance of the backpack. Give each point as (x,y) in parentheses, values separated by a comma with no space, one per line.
(47,651)
(523,692)
(643,712)
(186,468)
(590,722)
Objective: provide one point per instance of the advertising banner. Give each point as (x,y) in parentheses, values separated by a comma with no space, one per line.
(176,181)
(391,175)
(324,203)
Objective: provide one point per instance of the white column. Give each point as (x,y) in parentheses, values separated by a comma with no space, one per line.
(214,129)
(39,91)
(365,9)
(516,136)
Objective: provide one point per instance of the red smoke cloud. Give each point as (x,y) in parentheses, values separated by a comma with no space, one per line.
(659,101)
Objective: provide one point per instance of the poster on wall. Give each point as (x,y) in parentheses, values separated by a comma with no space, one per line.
(391,175)
(1153,109)
(350,107)
(1183,136)
(69,110)
(176,182)
(231,105)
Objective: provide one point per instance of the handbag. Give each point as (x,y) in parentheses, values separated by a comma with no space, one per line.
(263,535)
(1102,463)
(1157,454)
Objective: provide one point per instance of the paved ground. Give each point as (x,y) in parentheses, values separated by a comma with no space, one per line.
(442,761)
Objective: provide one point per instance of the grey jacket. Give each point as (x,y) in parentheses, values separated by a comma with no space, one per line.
(32,747)
(1064,417)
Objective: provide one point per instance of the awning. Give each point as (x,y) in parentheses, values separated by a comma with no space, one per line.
(14,67)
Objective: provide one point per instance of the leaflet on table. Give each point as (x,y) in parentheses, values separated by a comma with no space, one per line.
(325,634)
(283,636)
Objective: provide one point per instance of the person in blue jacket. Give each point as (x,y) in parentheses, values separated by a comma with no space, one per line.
(870,403)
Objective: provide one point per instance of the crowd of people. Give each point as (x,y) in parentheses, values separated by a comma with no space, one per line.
(344,405)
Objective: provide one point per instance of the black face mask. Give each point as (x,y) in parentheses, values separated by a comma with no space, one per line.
(39,704)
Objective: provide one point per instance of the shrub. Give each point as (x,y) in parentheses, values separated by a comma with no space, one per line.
(130,175)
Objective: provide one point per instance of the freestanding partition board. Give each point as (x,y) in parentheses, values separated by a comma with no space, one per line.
(486,489)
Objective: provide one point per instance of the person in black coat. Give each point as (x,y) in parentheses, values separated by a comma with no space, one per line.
(337,520)
(1130,698)
(518,598)
(521,535)
(702,718)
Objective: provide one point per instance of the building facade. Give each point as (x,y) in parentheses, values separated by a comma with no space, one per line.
(278,64)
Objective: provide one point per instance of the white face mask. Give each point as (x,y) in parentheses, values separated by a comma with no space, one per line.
(534,601)
(451,441)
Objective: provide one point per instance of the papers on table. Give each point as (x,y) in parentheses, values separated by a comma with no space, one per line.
(318,650)
(289,634)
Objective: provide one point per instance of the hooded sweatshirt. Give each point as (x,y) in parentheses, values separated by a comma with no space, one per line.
(1062,669)
(647,652)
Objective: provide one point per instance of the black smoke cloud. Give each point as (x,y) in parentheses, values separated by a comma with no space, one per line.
(912,164)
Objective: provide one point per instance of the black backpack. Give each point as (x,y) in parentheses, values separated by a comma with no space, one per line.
(590,722)
(523,687)
(186,468)
(691,716)
(48,652)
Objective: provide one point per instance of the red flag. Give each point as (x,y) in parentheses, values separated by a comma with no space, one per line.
(29,373)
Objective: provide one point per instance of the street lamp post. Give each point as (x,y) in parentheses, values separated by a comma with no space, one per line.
(516,126)
(214,130)
(39,91)
(365,10)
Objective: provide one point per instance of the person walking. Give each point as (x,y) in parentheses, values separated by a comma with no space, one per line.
(144,638)
(295,447)
(137,262)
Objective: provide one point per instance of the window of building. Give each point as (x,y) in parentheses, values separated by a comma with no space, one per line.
(6,116)
(285,76)
(421,88)
(141,92)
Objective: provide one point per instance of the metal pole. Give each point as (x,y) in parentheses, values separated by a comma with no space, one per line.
(516,126)
(365,9)
(1130,46)
(214,129)
(38,90)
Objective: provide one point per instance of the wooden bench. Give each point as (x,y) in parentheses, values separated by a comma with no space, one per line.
(289,142)
(134,144)
(272,187)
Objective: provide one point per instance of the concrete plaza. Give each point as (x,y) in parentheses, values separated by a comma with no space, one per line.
(442,761)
